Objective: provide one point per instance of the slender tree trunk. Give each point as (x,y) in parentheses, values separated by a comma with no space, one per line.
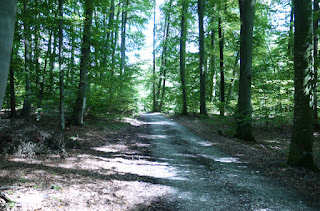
(61,71)
(183,39)
(301,152)
(234,71)
(316,63)
(212,61)
(52,62)
(123,36)
(203,109)
(222,84)
(37,49)
(164,66)
(84,65)
(155,106)
(27,100)
(244,129)
(110,25)
(290,43)
(13,112)
(8,11)
(44,73)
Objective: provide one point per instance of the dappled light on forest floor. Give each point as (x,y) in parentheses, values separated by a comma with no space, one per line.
(118,175)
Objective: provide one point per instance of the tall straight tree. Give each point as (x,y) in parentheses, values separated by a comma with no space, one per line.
(13,112)
(203,109)
(183,40)
(316,60)
(221,46)
(123,35)
(244,128)
(80,105)
(301,152)
(8,12)
(61,73)
(27,62)
(155,106)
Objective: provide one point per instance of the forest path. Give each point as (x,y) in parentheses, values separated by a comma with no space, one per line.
(204,178)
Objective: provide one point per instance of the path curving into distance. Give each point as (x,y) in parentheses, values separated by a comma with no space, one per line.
(204,178)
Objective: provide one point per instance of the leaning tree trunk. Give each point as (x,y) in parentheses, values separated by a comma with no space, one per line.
(8,11)
(301,152)
(244,129)
(203,109)
(84,65)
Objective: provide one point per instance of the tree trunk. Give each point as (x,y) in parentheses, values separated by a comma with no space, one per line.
(301,152)
(183,39)
(290,43)
(84,65)
(234,71)
(123,36)
(27,37)
(212,62)
(13,112)
(8,11)
(164,59)
(155,106)
(222,84)
(110,25)
(43,78)
(316,63)
(203,109)
(53,61)
(61,71)
(244,128)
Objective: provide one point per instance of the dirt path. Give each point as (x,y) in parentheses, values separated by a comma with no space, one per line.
(154,165)
(204,178)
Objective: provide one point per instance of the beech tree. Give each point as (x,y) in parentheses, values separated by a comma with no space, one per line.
(203,108)
(84,65)
(301,147)
(244,129)
(183,37)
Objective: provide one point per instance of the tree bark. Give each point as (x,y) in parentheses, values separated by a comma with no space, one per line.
(203,109)
(123,36)
(301,152)
(61,71)
(316,63)
(290,43)
(27,37)
(84,65)
(183,39)
(13,112)
(43,78)
(244,128)
(222,84)
(212,62)
(155,106)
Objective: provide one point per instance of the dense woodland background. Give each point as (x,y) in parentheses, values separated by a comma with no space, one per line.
(77,57)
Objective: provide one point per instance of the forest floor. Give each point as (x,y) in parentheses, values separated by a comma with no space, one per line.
(108,165)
